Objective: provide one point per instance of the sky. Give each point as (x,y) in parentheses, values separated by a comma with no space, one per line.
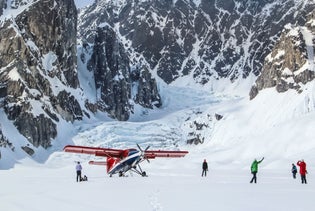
(83,3)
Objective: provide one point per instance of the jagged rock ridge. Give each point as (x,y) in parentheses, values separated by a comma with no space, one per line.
(206,39)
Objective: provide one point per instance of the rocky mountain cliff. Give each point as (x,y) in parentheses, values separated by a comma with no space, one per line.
(291,62)
(39,83)
(202,39)
(115,77)
(38,66)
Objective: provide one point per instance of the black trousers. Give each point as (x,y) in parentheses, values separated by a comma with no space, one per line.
(303,178)
(78,176)
(204,172)
(254,179)
(294,175)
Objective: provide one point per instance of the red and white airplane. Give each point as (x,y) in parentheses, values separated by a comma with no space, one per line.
(122,160)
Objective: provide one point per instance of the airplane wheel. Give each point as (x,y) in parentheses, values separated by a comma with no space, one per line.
(144,174)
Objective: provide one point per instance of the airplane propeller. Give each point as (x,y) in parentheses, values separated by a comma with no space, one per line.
(143,151)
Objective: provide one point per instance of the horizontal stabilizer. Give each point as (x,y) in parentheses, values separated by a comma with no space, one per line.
(100,163)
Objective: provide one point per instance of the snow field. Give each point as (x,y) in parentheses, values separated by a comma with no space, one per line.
(170,186)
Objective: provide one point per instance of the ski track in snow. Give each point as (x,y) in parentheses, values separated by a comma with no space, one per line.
(154,199)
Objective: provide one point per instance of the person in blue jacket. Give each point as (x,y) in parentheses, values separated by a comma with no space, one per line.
(294,170)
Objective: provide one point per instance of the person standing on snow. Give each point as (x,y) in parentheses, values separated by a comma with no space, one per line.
(303,170)
(78,168)
(204,168)
(294,171)
(254,169)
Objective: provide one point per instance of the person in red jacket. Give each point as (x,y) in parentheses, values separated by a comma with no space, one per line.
(303,170)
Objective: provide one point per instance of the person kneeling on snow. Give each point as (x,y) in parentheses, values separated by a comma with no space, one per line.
(254,169)
(84,178)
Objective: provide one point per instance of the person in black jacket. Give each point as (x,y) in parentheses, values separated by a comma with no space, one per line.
(204,168)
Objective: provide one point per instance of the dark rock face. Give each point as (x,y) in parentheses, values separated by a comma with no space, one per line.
(215,39)
(38,61)
(290,64)
(3,4)
(53,30)
(111,70)
(28,150)
(148,95)
(67,106)
(114,80)
(4,142)
(38,130)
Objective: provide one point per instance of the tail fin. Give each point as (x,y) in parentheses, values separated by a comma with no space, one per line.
(111,162)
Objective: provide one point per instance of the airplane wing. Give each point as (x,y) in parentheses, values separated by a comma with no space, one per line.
(97,151)
(119,153)
(151,154)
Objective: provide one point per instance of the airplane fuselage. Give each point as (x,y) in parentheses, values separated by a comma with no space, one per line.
(133,158)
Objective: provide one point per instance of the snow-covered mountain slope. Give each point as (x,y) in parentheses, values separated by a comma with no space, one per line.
(205,40)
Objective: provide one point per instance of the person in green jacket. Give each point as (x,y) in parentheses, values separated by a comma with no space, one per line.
(254,169)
